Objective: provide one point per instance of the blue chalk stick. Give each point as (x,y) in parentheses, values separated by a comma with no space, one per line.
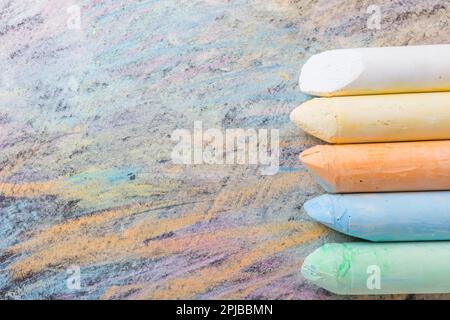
(399,216)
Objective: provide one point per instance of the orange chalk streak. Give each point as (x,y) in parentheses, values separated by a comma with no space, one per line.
(201,280)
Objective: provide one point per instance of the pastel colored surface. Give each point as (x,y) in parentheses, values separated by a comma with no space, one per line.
(377,70)
(377,167)
(381,268)
(86,118)
(86,174)
(376,118)
(398,216)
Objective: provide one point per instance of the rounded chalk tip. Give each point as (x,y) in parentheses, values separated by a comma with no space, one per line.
(318,118)
(321,209)
(309,267)
(294,115)
(330,72)
(323,267)
(312,157)
(317,161)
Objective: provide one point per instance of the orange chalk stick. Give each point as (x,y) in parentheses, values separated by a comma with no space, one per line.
(377,167)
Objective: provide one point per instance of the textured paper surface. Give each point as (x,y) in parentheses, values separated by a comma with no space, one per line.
(85,123)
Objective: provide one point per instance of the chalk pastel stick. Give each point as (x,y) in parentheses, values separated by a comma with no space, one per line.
(377,70)
(380,118)
(380,268)
(375,167)
(397,216)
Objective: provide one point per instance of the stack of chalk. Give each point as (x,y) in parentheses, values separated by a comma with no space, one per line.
(387,115)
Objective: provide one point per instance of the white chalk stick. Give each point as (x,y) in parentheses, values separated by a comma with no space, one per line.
(377,70)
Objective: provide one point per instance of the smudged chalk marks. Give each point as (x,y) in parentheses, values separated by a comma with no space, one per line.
(86,177)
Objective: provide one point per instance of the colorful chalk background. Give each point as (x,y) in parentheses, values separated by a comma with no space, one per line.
(86,116)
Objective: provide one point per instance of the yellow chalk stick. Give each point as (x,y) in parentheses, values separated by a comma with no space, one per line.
(376,118)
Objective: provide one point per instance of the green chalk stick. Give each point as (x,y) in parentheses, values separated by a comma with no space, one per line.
(380,268)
